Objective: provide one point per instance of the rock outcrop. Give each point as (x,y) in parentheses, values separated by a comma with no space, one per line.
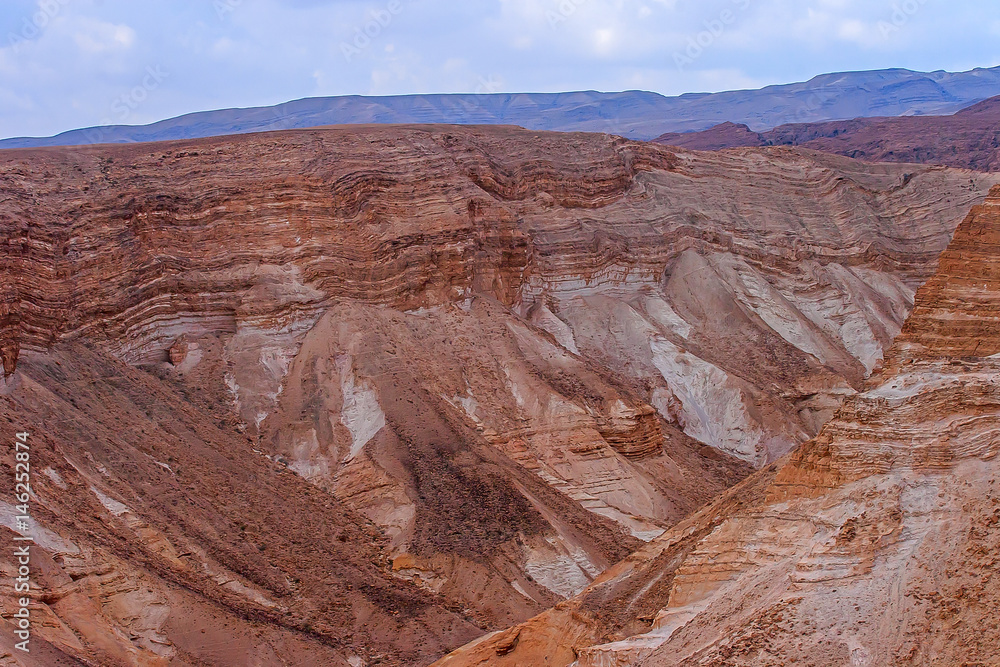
(874,543)
(495,361)
(968,139)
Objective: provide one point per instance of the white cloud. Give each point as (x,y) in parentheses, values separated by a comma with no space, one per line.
(863,34)
(604,41)
(99,37)
(268,51)
(223,46)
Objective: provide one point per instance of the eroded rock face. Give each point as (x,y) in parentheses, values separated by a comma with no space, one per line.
(503,359)
(874,543)
(164,537)
(968,139)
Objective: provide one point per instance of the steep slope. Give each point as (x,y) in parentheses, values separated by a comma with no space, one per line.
(969,139)
(163,537)
(514,356)
(635,114)
(875,543)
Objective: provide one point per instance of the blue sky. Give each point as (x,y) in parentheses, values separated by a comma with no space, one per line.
(74,63)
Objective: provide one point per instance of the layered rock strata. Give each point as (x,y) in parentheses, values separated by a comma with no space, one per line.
(517,355)
(875,543)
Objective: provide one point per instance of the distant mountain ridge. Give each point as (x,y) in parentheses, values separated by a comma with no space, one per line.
(633,114)
(968,139)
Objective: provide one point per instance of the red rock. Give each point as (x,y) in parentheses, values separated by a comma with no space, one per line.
(969,139)
(375,391)
(865,546)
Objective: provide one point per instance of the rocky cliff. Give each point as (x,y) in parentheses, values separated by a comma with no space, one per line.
(473,367)
(874,543)
(969,139)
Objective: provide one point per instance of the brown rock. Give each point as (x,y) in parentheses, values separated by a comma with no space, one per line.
(495,359)
(969,139)
(871,544)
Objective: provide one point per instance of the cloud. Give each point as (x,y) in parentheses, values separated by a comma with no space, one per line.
(90,53)
(99,37)
(604,40)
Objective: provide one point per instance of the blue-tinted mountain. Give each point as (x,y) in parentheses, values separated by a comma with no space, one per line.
(633,114)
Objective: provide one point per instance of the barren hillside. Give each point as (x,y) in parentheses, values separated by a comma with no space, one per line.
(345,395)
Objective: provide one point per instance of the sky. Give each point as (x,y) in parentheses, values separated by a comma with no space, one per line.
(66,64)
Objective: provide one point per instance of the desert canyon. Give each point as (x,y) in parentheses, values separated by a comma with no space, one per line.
(403,395)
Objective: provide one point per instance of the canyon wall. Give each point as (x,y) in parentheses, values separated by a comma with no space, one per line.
(874,543)
(492,363)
